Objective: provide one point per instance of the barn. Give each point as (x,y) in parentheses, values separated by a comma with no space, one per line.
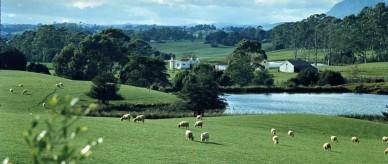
(294,66)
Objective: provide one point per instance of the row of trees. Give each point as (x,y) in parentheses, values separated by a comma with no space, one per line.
(233,35)
(361,37)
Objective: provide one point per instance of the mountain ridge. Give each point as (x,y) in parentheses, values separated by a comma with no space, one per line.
(349,7)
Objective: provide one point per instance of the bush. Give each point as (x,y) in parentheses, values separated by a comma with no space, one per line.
(38,68)
(307,77)
(13,59)
(104,88)
(262,78)
(331,78)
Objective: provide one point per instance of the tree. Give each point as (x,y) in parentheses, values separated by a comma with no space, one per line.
(13,59)
(263,78)
(331,78)
(177,82)
(201,91)
(307,77)
(38,68)
(104,88)
(144,71)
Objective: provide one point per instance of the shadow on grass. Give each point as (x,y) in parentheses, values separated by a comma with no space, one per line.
(212,143)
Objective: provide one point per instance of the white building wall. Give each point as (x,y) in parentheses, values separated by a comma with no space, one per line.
(286,67)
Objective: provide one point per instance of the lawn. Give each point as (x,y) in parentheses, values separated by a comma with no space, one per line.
(195,48)
(234,139)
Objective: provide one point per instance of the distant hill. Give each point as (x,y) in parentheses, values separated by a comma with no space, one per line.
(349,7)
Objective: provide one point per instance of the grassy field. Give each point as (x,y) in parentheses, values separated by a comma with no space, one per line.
(286,54)
(367,70)
(234,139)
(195,48)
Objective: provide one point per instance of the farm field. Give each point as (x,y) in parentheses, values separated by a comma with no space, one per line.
(233,139)
(366,70)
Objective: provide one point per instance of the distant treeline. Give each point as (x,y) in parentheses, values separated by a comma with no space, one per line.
(356,38)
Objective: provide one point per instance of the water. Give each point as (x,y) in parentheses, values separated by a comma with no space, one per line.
(328,104)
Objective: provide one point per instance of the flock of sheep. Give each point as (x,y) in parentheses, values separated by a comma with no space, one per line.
(24,92)
(326,146)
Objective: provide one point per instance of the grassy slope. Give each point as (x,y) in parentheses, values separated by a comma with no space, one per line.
(369,69)
(286,54)
(41,85)
(196,48)
(234,139)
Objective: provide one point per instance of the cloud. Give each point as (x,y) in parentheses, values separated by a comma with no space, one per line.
(164,12)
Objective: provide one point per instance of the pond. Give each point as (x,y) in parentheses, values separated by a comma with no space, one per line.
(327,104)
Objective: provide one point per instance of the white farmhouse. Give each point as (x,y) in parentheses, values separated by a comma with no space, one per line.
(183,64)
(294,66)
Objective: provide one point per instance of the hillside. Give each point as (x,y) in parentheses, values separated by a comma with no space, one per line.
(349,7)
(40,85)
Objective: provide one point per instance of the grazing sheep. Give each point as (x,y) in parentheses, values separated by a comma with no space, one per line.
(126,117)
(61,84)
(275,139)
(58,86)
(326,146)
(44,105)
(199,117)
(385,139)
(25,91)
(198,124)
(20,85)
(139,118)
(273,131)
(183,124)
(11,90)
(205,137)
(291,133)
(189,135)
(386,151)
(355,140)
(334,139)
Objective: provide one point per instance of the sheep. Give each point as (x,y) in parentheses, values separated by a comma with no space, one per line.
(198,124)
(11,90)
(355,140)
(273,131)
(386,151)
(61,84)
(291,133)
(275,139)
(205,137)
(334,139)
(183,124)
(57,85)
(139,118)
(44,105)
(20,85)
(326,146)
(189,135)
(385,139)
(25,91)
(126,117)
(199,117)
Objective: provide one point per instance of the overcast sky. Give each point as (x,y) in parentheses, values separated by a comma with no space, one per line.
(162,12)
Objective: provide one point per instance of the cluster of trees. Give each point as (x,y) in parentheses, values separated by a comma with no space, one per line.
(44,43)
(246,65)
(311,77)
(112,51)
(232,35)
(356,38)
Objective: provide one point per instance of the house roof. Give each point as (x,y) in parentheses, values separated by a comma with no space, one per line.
(300,64)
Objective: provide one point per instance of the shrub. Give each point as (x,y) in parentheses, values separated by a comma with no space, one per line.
(38,68)
(13,59)
(331,78)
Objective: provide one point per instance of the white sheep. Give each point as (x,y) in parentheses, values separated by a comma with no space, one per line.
(57,85)
(61,84)
(291,133)
(273,131)
(198,124)
(355,140)
(326,146)
(25,91)
(11,90)
(199,117)
(385,139)
(275,139)
(183,124)
(139,118)
(333,138)
(126,117)
(386,151)
(44,105)
(205,137)
(20,85)
(189,135)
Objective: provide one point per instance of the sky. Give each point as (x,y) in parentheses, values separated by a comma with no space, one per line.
(161,12)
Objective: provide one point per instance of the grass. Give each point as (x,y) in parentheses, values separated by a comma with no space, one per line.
(286,54)
(281,77)
(40,85)
(366,70)
(195,48)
